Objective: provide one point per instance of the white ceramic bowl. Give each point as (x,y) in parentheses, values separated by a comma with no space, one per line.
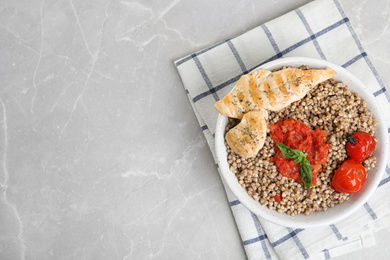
(338,212)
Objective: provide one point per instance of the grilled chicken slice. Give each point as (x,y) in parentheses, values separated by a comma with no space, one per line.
(248,137)
(271,91)
(245,83)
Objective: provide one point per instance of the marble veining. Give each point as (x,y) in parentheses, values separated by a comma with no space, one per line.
(101,156)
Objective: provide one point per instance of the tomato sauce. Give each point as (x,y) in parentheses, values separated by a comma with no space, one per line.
(297,135)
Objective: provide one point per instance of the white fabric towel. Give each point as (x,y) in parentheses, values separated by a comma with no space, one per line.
(321,30)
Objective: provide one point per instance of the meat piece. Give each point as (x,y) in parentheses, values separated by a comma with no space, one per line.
(248,137)
(271,91)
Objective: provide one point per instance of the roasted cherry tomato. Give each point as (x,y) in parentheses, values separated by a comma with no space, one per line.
(360,145)
(350,177)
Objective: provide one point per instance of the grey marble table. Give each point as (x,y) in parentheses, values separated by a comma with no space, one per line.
(101,156)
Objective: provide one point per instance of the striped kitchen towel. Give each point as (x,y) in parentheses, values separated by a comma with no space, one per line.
(321,30)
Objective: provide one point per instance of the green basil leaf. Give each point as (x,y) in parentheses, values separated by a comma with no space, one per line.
(305,172)
(288,152)
(298,160)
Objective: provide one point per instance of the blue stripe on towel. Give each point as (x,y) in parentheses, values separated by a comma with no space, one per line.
(353,60)
(370,211)
(386,180)
(287,237)
(326,253)
(337,233)
(309,30)
(271,40)
(254,240)
(382,90)
(261,234)
(213,90)
(387,96)
(237,56)
(234,203)
(299,244)
(205,77)
(198,53)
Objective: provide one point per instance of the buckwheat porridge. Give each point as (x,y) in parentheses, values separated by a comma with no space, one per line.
(329,106)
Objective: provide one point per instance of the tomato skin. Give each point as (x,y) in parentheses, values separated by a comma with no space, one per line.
(363,148)
(278,197)
(350,177)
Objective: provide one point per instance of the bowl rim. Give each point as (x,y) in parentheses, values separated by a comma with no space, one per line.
(326,218)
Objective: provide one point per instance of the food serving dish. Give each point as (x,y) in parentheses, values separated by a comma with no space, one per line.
(340,211)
